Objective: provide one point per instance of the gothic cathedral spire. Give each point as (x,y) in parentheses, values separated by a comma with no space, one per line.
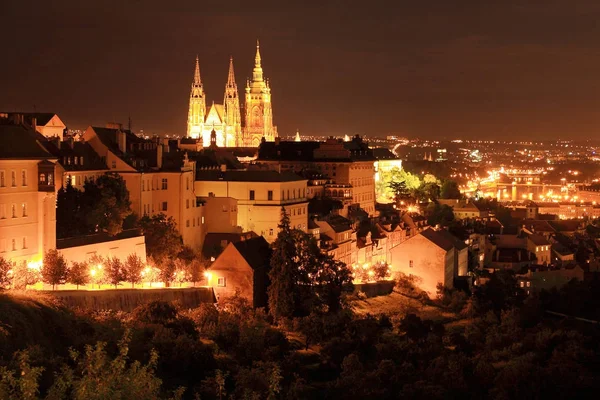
(259,113)
(197,109)
(232,115)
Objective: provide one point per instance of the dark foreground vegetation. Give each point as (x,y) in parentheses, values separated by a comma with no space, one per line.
(503,348)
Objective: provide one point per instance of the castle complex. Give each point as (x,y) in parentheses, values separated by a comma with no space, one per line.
(230,129)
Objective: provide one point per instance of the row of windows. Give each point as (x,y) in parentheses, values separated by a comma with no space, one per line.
(187,222)
(15,211)
(361,182)
(76,160)
(161,207)
(146,184)
(13,244)
(541,248)
(13,178)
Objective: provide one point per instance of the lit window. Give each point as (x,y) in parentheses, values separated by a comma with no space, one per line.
(203,220)
(528,284)
(50,179)
(522,284)
(221,282)
(24,209)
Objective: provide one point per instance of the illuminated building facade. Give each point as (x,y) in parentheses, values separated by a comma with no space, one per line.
(27,195)
(226,119)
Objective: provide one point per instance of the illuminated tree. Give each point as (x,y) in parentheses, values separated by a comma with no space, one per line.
(79,274)
(24,276)
(132,270)
(55,269)
(114,271)
(6,270)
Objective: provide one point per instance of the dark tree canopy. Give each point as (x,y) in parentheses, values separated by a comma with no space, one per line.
(101,206)
(450,190)
(163,241)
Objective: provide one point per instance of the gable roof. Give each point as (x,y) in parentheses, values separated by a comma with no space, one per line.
(41,119)
(443,239)
(212,245)
(19,143)
(538,240)
(256,252)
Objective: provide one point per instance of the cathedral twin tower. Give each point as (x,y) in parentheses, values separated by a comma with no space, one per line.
(225,120)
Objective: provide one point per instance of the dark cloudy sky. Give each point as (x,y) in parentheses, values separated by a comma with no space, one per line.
(437,68)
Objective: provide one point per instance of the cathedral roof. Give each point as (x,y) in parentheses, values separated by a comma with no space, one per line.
(215,114)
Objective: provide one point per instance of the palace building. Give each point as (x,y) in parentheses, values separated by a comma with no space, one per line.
(225,119)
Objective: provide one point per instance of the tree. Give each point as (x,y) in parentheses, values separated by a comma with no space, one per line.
(6,270)
(102,206)
(69,217)
(440,214)
(24,276)
(79,273)
(284,271)
(331,278)
(163,241)
(114,271)
(54,269)
(450,190)
(105,203)
(132,270)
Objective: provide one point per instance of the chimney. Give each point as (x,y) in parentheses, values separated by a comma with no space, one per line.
(71,142)
(159,156)
(34,123)
(122,141)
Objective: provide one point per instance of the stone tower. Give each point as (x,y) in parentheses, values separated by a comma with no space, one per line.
(197,109)
(259,112)
(232,116)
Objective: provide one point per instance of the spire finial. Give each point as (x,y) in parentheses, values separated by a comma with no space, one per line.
(257,58)
(231,76)
(197,72)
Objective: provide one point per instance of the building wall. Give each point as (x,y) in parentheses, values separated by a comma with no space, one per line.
(238,275)
(429,263)
(262,215)
(463,262)
(543,253)
(54,127)
(32,230)
(221,215)
(121,249)
(149,196)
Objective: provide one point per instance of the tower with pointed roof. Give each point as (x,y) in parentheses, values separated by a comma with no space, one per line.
(197,109)
(221,124)
(259,111)
(232,115)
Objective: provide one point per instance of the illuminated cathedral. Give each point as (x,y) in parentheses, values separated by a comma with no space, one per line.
(225,119)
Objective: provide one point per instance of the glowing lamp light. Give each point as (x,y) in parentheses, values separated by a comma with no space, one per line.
(93,272)
(37,265)
(208,275)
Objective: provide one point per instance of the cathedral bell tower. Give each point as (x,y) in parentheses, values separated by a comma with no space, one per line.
(259,112)
(197,109)
(232,116)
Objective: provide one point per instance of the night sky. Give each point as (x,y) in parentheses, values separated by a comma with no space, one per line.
(434,69)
